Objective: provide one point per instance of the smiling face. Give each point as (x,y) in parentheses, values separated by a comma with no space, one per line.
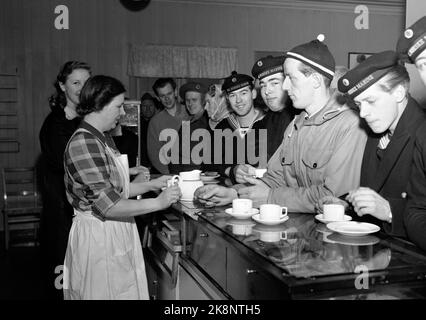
(298,86)
(73,85)
(272,92)
(378,107)
(421,65)
(167,96)
(112,112)
(241,100)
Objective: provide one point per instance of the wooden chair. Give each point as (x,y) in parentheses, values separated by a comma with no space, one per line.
(22,203)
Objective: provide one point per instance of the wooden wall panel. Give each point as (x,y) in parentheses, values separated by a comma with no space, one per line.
(101,31)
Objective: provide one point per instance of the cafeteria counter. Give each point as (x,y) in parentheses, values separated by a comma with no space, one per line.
(194,252)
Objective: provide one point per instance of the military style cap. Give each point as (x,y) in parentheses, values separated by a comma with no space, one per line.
(266,66)
(192,86)
(413,41)
(367,73)
(236,81)
(316,55)
(147,96)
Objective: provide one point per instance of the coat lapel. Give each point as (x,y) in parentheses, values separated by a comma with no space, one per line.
(403,134)
(391,156)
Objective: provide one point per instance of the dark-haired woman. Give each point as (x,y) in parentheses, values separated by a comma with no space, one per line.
(104,256)
(57,128)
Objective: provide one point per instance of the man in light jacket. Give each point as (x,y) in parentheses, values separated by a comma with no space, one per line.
(322,148)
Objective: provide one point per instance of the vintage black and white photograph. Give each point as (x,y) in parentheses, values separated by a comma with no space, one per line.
(212,150)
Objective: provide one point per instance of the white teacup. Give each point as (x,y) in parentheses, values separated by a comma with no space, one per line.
(333,212)
(173,180)
(241,205)
(270,212)
(259,172)
(272,236)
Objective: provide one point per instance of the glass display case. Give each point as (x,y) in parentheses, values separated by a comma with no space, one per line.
(132,122)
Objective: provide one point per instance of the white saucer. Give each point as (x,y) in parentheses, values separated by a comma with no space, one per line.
(283,218)
(240,222)
(205,178)
(242,215)
(353,228)
(320,217)
(214,181)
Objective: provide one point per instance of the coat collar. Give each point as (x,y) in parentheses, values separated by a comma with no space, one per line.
(331,110)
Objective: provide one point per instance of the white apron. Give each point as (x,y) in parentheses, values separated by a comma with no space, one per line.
(104,259)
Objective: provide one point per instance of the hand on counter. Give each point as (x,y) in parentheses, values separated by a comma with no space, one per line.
(212,195)
(243,170)
(368,201)
(169,196)
(258,191)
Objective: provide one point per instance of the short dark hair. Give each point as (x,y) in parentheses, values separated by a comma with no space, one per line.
(398,75)
(162,82)
(97,92)
(58,99)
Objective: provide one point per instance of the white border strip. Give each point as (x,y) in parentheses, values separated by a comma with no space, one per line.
(382,7)
(298,56)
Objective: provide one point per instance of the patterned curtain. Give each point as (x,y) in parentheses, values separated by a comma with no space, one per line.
(181,61)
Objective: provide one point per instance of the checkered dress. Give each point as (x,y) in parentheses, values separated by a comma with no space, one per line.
(92,180)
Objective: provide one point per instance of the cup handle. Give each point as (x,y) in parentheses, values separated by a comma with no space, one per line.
(172,181)
(283,235)
(175,179)
(284,209)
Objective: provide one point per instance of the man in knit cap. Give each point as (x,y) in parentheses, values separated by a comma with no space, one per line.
(313,160)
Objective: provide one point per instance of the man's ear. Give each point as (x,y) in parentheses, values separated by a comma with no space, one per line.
(317,80)
(253,93)
(400,92)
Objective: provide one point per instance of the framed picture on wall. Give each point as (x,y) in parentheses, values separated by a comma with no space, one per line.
(354,58)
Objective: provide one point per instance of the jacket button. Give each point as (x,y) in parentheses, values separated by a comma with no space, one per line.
(315,165)
(404,195)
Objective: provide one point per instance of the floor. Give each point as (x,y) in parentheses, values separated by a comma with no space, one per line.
(20,272)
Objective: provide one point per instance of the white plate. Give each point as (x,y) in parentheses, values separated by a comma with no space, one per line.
(283,218)
(242,215)
(320,217)
(186,200)
(353,228)
(368,240)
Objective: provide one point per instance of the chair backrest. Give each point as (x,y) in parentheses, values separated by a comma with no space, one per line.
(20,188)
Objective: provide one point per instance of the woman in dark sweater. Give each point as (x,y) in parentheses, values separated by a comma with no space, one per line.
(55,132)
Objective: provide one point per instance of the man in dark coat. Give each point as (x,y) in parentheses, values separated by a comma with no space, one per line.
(412,46)
(269,71)
(379,87)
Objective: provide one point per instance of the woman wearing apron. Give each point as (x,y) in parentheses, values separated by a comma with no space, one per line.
(104,255)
